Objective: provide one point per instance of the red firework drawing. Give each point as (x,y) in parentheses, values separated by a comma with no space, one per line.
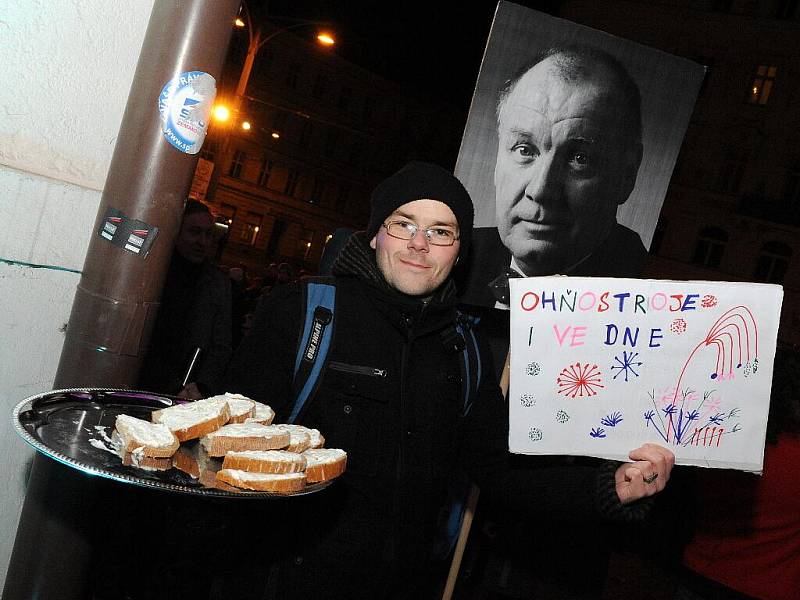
(579,380)
(708,301)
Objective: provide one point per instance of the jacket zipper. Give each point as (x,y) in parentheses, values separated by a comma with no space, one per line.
(357,369)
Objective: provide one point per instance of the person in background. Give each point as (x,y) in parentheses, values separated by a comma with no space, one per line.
(746,540)
(195,312)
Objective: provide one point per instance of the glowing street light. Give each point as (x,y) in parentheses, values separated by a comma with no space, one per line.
(276,135)
(221,113)
(326,38)
(246,125)
(238,22)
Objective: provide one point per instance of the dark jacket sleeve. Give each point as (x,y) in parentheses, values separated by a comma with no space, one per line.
(526,483)
(263,364)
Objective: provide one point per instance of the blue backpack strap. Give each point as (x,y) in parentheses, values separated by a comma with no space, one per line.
(318,327)
(471,373)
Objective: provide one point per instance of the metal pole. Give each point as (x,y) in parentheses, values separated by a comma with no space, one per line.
(149,179)
(118,295)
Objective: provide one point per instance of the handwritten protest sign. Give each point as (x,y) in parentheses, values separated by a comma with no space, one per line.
(600,366)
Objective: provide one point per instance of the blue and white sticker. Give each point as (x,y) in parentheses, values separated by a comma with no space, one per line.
(185,106)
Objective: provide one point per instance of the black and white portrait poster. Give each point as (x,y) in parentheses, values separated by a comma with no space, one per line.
(569,146)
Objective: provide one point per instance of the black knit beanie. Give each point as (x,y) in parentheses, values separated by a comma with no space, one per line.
(420,181)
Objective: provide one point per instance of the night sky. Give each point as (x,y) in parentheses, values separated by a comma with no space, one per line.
(431,45)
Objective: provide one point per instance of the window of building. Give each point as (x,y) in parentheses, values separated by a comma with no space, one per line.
(762,84)
(252,225)
(320,85)
(293,75)
(317,191)
(773,261)
(710,247)
(237,165)
(223,218)
(658,236)
(265,172)
(291,183)
(304,243)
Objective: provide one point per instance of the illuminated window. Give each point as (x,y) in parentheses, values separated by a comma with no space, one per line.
(224,216)
(710,247)
(772,262)
(252,225)
(238,164)
(762,84)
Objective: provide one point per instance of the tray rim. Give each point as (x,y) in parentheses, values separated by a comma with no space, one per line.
(87,469)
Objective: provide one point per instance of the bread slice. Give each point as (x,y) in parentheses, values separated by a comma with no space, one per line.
(148,463)
(263,414)
(263,482)
(315,439)
(245,436)
(193,419)
(299,440)
(241,407)
(145,439)
(265,461)
(323,464)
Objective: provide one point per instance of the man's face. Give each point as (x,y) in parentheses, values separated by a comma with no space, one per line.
(564,163)
(416,267)
(195,237)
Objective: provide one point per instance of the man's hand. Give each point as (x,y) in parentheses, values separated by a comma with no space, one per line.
(646,476)
(191,392)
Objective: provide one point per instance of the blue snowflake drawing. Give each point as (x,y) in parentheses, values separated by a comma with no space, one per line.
(612,420)
(626,365)
(597,432)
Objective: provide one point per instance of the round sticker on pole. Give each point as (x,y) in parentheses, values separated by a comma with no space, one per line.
(185,107)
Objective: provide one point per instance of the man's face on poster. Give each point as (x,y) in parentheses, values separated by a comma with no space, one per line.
(566,160)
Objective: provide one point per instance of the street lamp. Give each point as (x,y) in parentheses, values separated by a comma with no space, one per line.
(256,41)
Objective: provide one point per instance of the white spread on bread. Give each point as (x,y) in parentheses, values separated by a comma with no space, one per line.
(144,432)
(315,437)
(183,416)
(317,456)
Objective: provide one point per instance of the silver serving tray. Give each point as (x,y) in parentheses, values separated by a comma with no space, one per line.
(64,425)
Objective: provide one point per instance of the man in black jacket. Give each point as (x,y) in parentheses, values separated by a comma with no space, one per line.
(390,395)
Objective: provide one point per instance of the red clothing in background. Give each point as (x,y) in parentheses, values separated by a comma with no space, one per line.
(747,533)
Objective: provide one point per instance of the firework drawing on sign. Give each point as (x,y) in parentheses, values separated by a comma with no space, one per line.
(527,400)
(708,301)
(684,424)
(611,420)
(597,432)
(734,337)
(535,434)
(562,416)
(627,365)
(533,369)
(579,380)
(678,326)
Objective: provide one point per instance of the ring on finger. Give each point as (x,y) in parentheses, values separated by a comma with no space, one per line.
(651,478)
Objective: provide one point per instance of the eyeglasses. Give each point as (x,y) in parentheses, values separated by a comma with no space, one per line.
(436,236)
